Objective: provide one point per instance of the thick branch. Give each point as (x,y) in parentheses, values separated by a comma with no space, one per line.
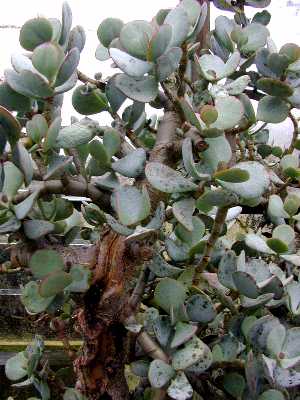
(72,188)
(165,150)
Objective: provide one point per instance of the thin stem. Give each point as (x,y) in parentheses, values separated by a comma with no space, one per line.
(283,186)
(181,71)
(85,79)
(73,188)
(138,291)
(295,134)
(215,233)
(250,146)
(151,348)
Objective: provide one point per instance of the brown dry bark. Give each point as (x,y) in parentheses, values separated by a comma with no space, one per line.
(100,367)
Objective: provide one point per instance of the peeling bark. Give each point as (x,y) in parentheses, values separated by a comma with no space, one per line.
(100,367)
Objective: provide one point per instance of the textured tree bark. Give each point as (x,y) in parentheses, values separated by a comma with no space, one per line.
(107,304)
(100,367)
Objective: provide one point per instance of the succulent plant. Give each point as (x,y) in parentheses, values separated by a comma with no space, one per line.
(172,251)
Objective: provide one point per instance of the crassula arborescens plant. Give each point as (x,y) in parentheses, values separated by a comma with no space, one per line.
(181,292)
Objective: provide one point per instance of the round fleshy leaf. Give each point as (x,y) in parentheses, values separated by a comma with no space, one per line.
(81,279)
(234,384)
(23,161)
(66,23)
(111,141)
(131,205)
(68,67)
(183,333)
(161,268)
(232,64)
(211,67)
(47,59)
(208,114)
(277,245)
(102,53)
(159,42)
(193,10)
(9,126)
(178,19)
(22,209)
(168,63)
(143,89)
(258,3)
(99,153)
(13,179)
(289,161)
(245,284)
(271,394)
(74,135)
(35,229)
(180,388)
(272,109)
(227,267)
(260,330)
(37,128)
(54,283)
(165,179)
(274,87)
(131,165)
(16,367)
(35,32)
(218,151)
(52,134)
(32,300)
(28,84)
(257,36)
(233,175)
(203,364)
(223,28)
(43,262)
(108,30)
(191,238)
(189,114)
(77,39)
(230,112)
(200,309)
(117,227)
(285,233)
(255,186)
(238,86)
(160,373)
(257,243)
(12,100)
(275,340)
(192,352)
(135,37)
(275,209)
(183,211)
(169,293)
(162,329)
(132,66)
(219,198)
(291,344)
(87,101)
